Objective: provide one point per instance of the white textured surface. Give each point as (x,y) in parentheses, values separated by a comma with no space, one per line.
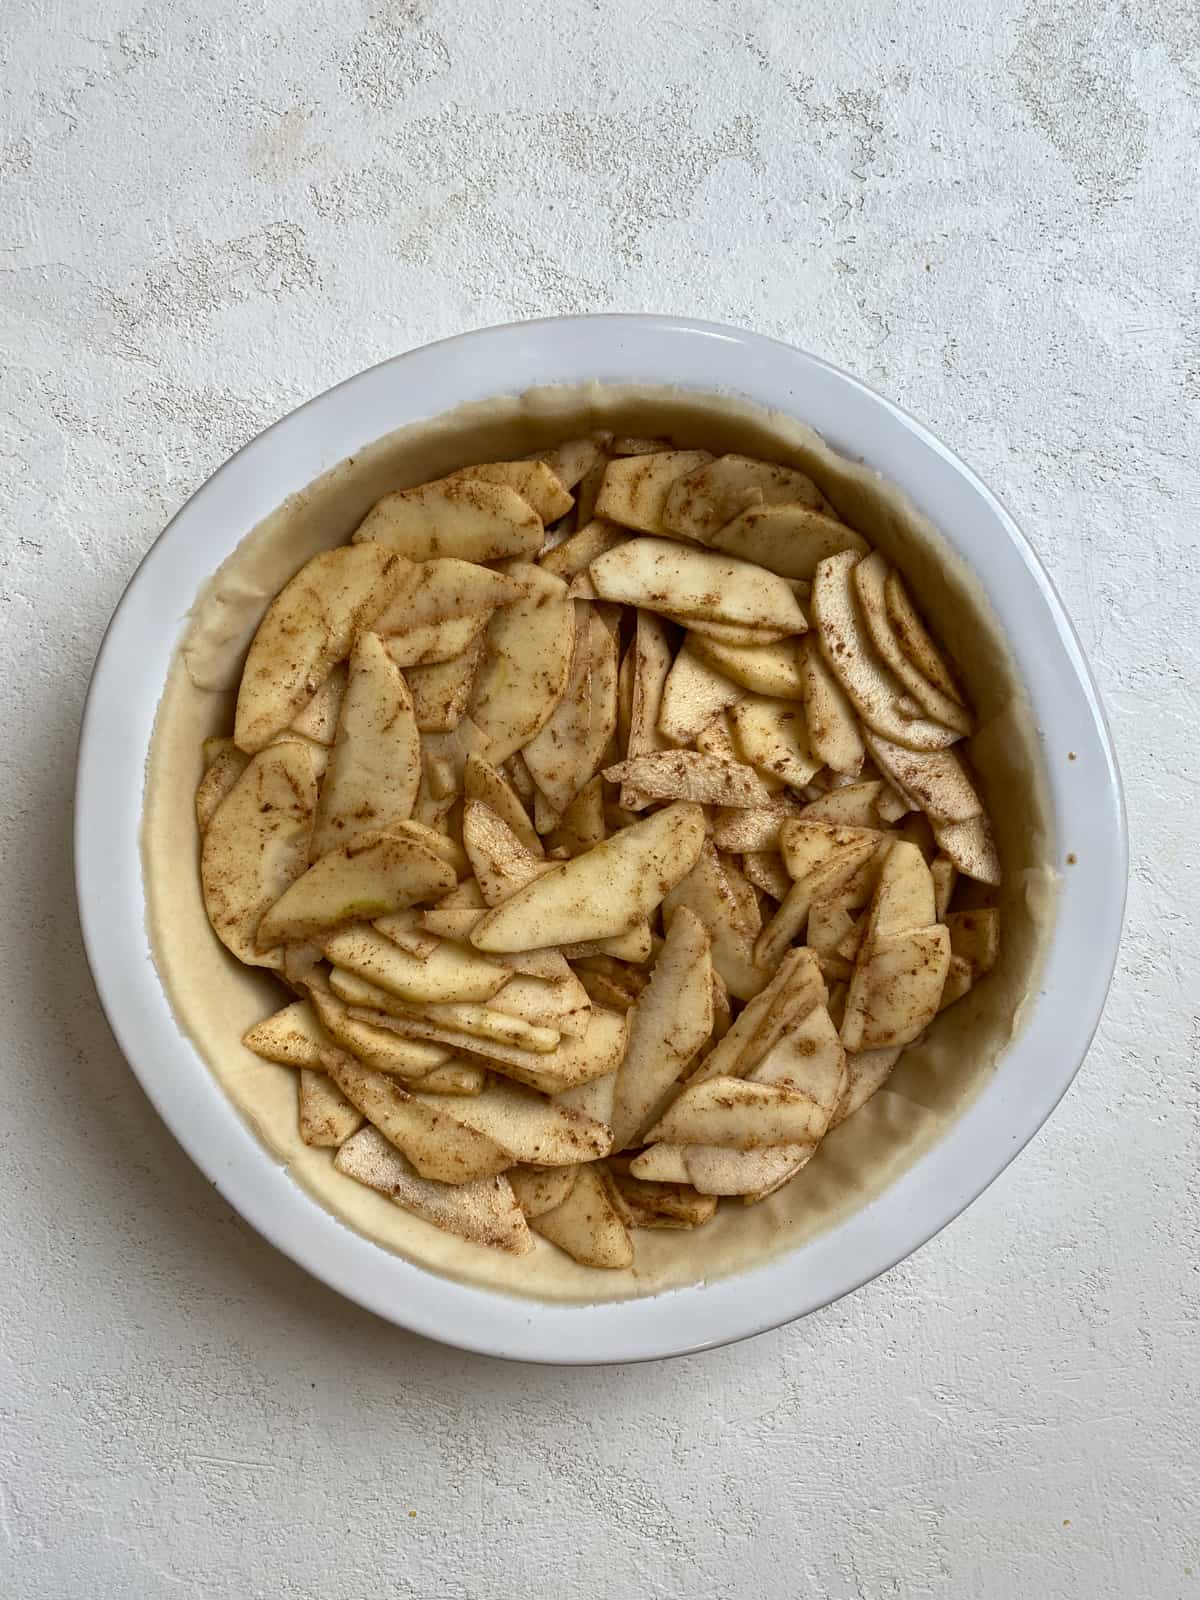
(986,210)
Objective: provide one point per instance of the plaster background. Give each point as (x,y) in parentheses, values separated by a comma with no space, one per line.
(987,210)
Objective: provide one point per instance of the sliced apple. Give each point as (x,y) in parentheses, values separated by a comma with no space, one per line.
(705,891)
(501,863)
(866,1072)
(738,830)
(586,1225)
(378,1048)
(318,720)
(635,488)
(572,459)
(452,973)
(355,883)
(693,694)
(662,576)
(563,755)
(740,1115)
(558,1003)
(534,481)
(852,805)
(438,1145)
(845,644)
(971,847)
(870,582)
(577,552)
(896,989)
(658,1205)
(484,1212)
(833,730)
(975,936)
(915,640)
(806,845)
(309,627)
(604,892)
(687,775)
(375,767)
(771,735)
(465,519)
(715,1171)
(766,871)
(824,881)
(526,663)
(256,845)
(326,1117)
(484,781)
(652,658)
(440,691)
(293,1037)
(582,823)
(770,669)
(945,875)
(222,772)
(670,1022)
(530,1127)
(935,780)
(701,502)
(790,540)
(540,1189)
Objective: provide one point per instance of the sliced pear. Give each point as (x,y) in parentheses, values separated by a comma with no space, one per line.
(309,627)
(672,1019)
(484,1212)
(586,1225)
(896,989)
(688,775)
(870,582)
(532,1128)
(327,1119)
(710,495)
(222,772)
(770,669)
(452,973)
(355,883)
(739,830)
(971,847)
(693,695)
(604,892)
(526,663)
(706,892)
(562,756)
(635,489)
(256,845)
(540,1189)
(740,1115)
(438,1145)
(852,805)
(465,519)
(833,730)
(577,552)
(582,823)
(293,1037)
(915,640)
(378,1048)
(534,481)
(771,735)
(790,540)
(845,644)
(663,576)
(375,767)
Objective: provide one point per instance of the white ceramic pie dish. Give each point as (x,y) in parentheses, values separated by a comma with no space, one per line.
(1083,793)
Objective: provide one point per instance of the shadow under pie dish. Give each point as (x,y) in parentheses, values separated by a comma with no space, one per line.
(612,677)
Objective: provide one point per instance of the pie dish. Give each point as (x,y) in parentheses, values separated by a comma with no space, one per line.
(471,399)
